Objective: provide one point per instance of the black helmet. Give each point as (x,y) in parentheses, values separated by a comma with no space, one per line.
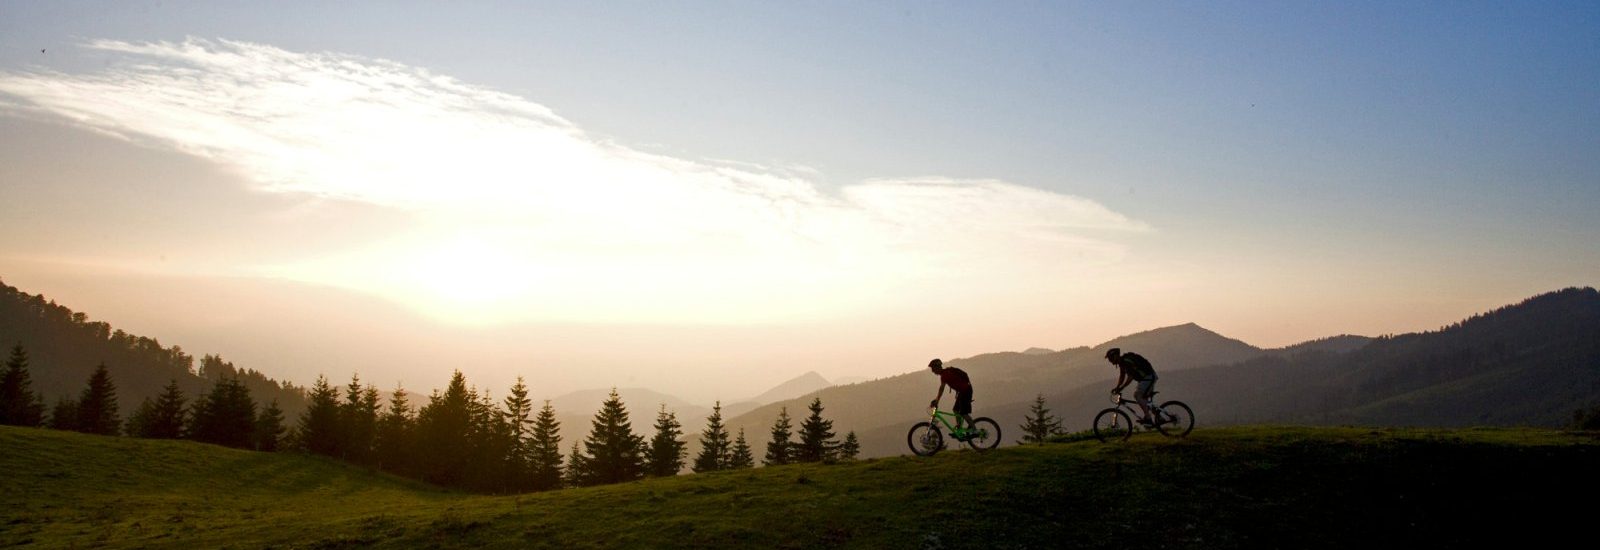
(934,364)
(1113,353)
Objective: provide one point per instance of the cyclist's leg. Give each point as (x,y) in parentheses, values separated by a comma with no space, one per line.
(1142,397)
(963,408)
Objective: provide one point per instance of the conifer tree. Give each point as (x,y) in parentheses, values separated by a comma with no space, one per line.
(358,420)
(97,408)
(1040,424)
(576,473)
(613,454)
(319,424)
(519,422)
(850,448)
(269,428)
(741,456)
(161,418)
(226,415)
(444,433)
(816,436)
(780,450)
(545,450)
(393,439)
(19,405)
(666,451)
(488,442)
(714,444)
(64,416)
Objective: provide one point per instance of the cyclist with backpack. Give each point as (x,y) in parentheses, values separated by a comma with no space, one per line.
(959,382)
(1133,367)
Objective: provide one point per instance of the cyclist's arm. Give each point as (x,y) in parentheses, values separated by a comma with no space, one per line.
(937,396)
(1122,380)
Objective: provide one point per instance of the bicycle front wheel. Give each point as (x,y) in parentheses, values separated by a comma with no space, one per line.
(1179,419)
(985,434)
(924,439)
(1112,425)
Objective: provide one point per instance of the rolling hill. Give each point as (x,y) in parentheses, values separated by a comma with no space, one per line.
(1221,488)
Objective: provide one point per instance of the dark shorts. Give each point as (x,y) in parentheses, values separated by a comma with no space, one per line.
(964,402)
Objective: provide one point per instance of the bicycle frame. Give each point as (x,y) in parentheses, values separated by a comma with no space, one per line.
(939,415)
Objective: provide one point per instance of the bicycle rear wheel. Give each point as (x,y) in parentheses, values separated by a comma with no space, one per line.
(924,439)
(985,434)
(1179,421)
(1112,425)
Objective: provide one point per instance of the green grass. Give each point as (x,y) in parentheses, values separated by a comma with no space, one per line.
(1221,488)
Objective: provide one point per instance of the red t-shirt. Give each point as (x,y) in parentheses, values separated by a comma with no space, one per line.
(956,379)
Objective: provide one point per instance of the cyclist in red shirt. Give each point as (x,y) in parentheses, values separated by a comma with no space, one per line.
(958,381)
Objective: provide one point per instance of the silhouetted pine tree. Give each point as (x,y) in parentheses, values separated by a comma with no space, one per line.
(269,428)
(850,448)
(519,422)
(780,450)
(741,456)
(97,408)
(613,454)
(666,451)
(64,416)
(544,450)
(714,444)
(574,476)
(226,415)
(358,421)
(816,436)
(394,440)
(444,433)
(19,405)
(161,418)
(490,441)
(1040,424)
(319,425)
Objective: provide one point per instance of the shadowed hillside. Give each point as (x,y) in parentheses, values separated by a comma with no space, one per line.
(1222,488)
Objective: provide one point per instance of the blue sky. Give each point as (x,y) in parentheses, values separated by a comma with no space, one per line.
(1274,171)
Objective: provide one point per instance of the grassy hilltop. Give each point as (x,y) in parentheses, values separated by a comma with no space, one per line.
(1221,488)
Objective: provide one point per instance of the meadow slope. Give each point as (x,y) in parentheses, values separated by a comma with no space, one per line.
(1221,488)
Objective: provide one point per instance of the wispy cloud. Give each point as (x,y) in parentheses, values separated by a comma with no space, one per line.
(522,214)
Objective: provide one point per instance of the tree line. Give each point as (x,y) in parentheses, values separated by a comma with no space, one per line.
(459,437)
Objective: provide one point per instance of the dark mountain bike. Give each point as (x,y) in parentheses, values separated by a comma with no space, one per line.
(1173,419)
(925,438)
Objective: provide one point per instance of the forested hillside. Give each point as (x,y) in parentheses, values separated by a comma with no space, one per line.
(65,346)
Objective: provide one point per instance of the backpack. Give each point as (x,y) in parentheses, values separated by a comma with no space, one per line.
(1138,367)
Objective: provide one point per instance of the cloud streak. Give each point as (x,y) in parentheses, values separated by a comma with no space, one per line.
(522,215)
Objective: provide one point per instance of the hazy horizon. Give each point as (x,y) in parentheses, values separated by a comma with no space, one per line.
(708,203)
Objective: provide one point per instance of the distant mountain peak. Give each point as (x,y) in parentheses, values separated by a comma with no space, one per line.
(1038,351)
(794,387)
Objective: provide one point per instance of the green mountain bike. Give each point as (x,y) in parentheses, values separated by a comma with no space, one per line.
(925,438)
(1173,419)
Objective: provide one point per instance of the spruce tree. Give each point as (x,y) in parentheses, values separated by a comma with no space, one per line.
(445,433)
(714,444)
(816,436)
(741,456)
(850,448)
(19,405)
(577,470)
(358,421)
(1040,424)
(666,451)
(488,444)
(160,418)
(393,440)
(226,415)
(97,408)
(780,450)
(544,450)
(64,416)
(319,424)
(269,428)
(519,421)
(613,454)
